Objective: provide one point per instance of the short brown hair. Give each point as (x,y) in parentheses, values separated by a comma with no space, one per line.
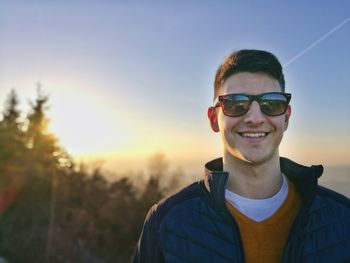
(249,60)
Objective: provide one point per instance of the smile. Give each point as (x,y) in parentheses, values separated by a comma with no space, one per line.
(253,134)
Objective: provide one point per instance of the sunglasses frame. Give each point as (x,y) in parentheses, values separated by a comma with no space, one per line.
(257,98)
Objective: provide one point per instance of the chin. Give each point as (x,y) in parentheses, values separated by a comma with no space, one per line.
(256,158)
(261,159)
(251,157)
(255,161)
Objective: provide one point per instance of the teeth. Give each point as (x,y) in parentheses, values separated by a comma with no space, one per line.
(253,135)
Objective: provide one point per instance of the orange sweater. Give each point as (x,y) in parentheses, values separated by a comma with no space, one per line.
(265,241)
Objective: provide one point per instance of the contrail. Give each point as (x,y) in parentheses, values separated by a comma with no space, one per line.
(316,42)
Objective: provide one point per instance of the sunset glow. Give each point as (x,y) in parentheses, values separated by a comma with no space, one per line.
(129,80)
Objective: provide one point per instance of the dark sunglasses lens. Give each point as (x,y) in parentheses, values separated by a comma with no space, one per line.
(235,105)
(273,104)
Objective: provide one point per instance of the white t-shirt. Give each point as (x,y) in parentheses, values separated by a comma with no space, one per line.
(258,209)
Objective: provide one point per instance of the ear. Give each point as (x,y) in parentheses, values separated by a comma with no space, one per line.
(287,116)
(213,119)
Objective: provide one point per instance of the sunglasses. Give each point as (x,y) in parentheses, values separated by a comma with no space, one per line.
(271,103)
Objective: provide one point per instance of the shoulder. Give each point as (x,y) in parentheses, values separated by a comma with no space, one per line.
(158,211)
(330,205)
(326,236)
(330,212)
(148,248)
(333,199)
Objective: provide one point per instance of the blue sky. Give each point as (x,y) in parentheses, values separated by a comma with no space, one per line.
(142,71)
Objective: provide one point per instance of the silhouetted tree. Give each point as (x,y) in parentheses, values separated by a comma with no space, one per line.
(44,149)
(52,210)
(11,136)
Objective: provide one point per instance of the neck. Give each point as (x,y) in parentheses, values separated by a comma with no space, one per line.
(257,181)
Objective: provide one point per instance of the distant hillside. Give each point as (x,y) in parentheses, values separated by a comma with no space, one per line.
(337,178)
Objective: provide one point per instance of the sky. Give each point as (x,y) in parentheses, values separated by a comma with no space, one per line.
(127,79)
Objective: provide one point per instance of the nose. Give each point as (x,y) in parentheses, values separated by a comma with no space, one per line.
(254,116)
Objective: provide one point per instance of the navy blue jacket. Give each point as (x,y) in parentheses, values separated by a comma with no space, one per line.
(194,224)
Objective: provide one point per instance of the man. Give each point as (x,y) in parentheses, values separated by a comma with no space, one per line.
(253,205)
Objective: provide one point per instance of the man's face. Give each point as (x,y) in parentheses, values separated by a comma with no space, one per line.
(238,134)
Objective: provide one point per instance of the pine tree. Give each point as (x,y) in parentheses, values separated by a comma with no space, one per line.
(26,224)
(12,148)
(11,135)
(45,152)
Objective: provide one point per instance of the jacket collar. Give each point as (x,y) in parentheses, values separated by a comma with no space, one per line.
(304,178)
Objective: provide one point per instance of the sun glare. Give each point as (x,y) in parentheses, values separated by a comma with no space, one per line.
(85,125)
